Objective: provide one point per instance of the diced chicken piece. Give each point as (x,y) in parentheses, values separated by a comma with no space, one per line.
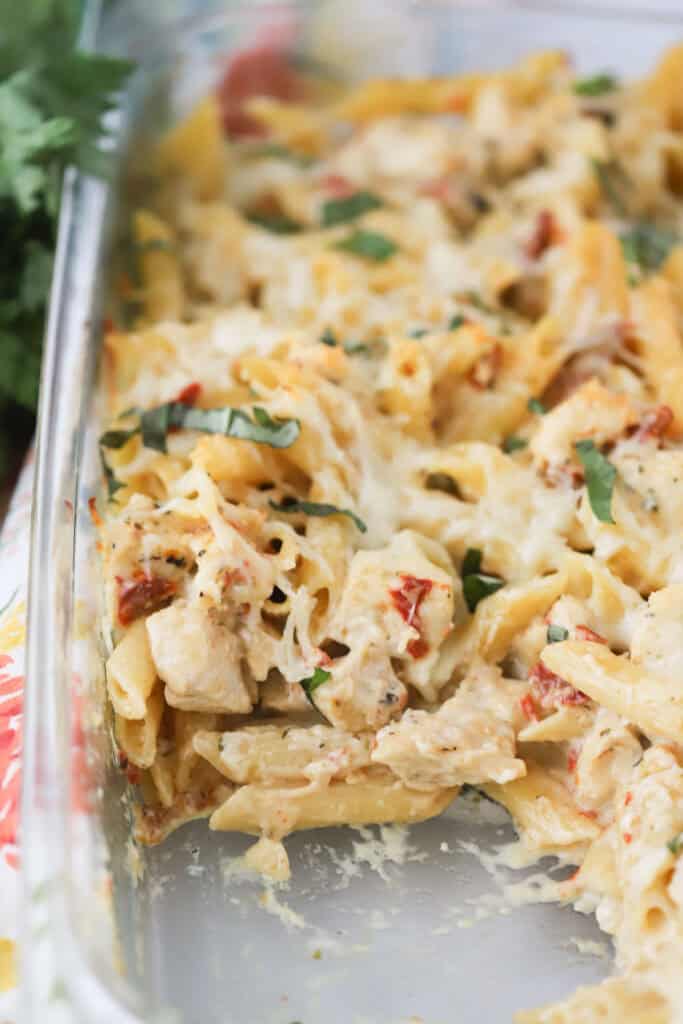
(608,755)
(592,411)
(197,656)
(470,739)
(400,599)
(277,754)
(657,642)
(363,692)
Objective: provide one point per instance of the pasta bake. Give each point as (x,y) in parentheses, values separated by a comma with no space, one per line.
(395,479)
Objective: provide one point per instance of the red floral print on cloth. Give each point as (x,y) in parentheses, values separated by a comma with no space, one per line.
(11,708)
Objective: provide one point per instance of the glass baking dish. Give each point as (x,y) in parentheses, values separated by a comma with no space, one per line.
(378,927)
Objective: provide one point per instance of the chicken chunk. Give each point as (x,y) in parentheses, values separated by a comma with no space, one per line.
(363,691)
(592,411)
(197,656)
(470,739)
(400,600)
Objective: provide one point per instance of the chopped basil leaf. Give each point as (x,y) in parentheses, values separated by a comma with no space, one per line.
(156,423)
(315,508)
(276,223)
(477,586)
(113,485)
(311,683)
(377,346)
(117,438)
(340,211)
(456,322)
(328,338)
(614,183)
(512,443)
(597,85)
(471,562)
(647,245)
(419,332)
(556,634)
(369,245)
(537,406)
(676,844)
(275,151)
(600,477)
(442,482)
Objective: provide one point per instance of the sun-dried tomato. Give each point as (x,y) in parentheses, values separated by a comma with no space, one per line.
(543,235)
(654,423)
(550,690)
(407,600)
(142,595)
(190,393)
(585,633)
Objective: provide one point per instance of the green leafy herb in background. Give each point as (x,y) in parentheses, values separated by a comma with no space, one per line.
(598,85)
(52,102)
(369,245)
(647,246)
(340,211)
(512,443)
(615,184)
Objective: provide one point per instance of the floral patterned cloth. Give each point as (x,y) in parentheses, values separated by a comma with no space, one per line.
(14,551)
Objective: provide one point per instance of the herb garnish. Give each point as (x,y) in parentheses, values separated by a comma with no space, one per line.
(556,634)
(600,477)
(676,844)
(340,211)
(328,338)
(156,423)
(113,485)
(276,151)
(311,683)
(477,585)
(53,104)
(369,245)
(316,508)
(614,182)
(352,348)
(537,406)
(512,443)
(456,322)
(597,85)
(647,246)
(276,223)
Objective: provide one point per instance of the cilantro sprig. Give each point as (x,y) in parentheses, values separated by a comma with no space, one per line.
(52,104)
